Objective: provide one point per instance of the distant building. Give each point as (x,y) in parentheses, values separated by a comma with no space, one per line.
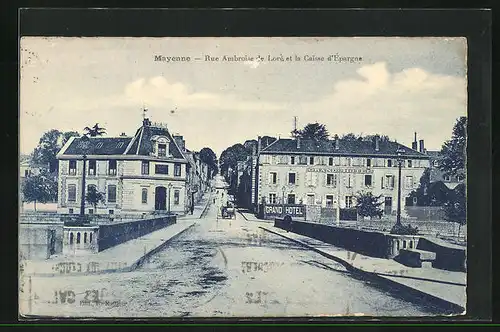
(141,174)
(437,175)
(331,172)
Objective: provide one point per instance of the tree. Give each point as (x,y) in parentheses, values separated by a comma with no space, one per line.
(315,131)
(368,205)
(430,194)
(94,131)
(93,196)
(229,158)
(349,136)
(454,150)
(455,208)
(40,188)
(208,157)
(48,146)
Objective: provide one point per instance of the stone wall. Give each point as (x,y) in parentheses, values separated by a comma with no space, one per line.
(114,234)
(38,242)
(448,256)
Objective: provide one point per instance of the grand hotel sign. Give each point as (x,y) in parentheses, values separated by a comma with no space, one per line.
(356,170)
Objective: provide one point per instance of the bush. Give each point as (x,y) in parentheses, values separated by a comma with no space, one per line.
(404,230)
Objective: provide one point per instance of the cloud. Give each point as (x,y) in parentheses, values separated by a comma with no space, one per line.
(158,92)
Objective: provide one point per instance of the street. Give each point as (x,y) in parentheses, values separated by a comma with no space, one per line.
(220,267)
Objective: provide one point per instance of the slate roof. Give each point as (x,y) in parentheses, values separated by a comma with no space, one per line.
(98,146)
(346,147)
(143,137)
(140,144)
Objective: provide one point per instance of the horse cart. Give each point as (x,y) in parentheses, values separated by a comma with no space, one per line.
(228,212)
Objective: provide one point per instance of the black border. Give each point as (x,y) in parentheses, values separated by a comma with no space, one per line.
(473,24)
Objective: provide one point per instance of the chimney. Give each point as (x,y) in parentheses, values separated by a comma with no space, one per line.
(180,142)
(298,142)
(146,122)
(123,134)
(414,143)
(421,148)
(259,144)
(377,143)
(336,141)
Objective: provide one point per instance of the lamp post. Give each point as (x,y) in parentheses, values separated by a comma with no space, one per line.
(169,190)
(283,200)
(85,141)
(400,161)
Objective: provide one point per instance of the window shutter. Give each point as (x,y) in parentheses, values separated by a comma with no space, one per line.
(382,182)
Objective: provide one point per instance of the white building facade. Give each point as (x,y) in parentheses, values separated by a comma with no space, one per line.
(331,173)
(141,174)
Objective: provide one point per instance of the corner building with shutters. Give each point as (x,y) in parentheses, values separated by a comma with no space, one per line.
(140,174)
(322,173)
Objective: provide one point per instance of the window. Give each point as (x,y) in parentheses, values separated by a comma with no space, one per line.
(291,178)
(71,238)
(112,167)
(460,177)
(389,182)
(177,169)
(161,169)
(78,238)
(144,196)
(291,199)
(292,160)
(26,173)
(435,163)
(111,211)
(368,162)
(72,167)
(111,193)
(272,198)
(330,161)
(177,197)
(368,180)
(389,162)
(311,160)
(349,161)
(162,150)
(310,199)
(348,202)
(90,237)
(71,192)
(409,182)
(329,200)
(409,163)
(447,178)
(85,237)
(92,167)
(70,211)
(302,160)
(273,177)
(145,168)
(349,182)
(331,180)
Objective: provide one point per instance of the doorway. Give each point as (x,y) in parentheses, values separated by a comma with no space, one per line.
(161,198)
(388,205)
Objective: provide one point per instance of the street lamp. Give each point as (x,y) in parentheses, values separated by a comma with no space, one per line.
(85,141)
(169,190)
(400,152)
(283,200)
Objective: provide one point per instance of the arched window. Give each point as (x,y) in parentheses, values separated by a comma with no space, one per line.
(144,196)
(411,244)
(397,245)
(85,237)
(78,238)
(404,244)
(90,238)
(71,238)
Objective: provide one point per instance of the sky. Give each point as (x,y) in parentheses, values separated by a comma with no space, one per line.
(394,86)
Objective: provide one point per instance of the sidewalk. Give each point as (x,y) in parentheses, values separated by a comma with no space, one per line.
(121,258)
(434,284)
(251,217)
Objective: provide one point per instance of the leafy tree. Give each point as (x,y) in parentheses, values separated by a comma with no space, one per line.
(315,131)
(349,136)
(48,146)
(430,194)
(454,150)
(229,158)
(93,196)
(368,205)
(404,230)
(94,131)
(208,157)
(40,188)
(455,208)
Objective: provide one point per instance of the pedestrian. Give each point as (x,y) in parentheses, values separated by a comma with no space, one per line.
(192,208)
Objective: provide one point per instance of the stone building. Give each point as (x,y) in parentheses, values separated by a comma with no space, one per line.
(141,174)
(331,173)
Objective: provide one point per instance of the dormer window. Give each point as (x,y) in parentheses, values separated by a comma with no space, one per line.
(160,146)
(162,150)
